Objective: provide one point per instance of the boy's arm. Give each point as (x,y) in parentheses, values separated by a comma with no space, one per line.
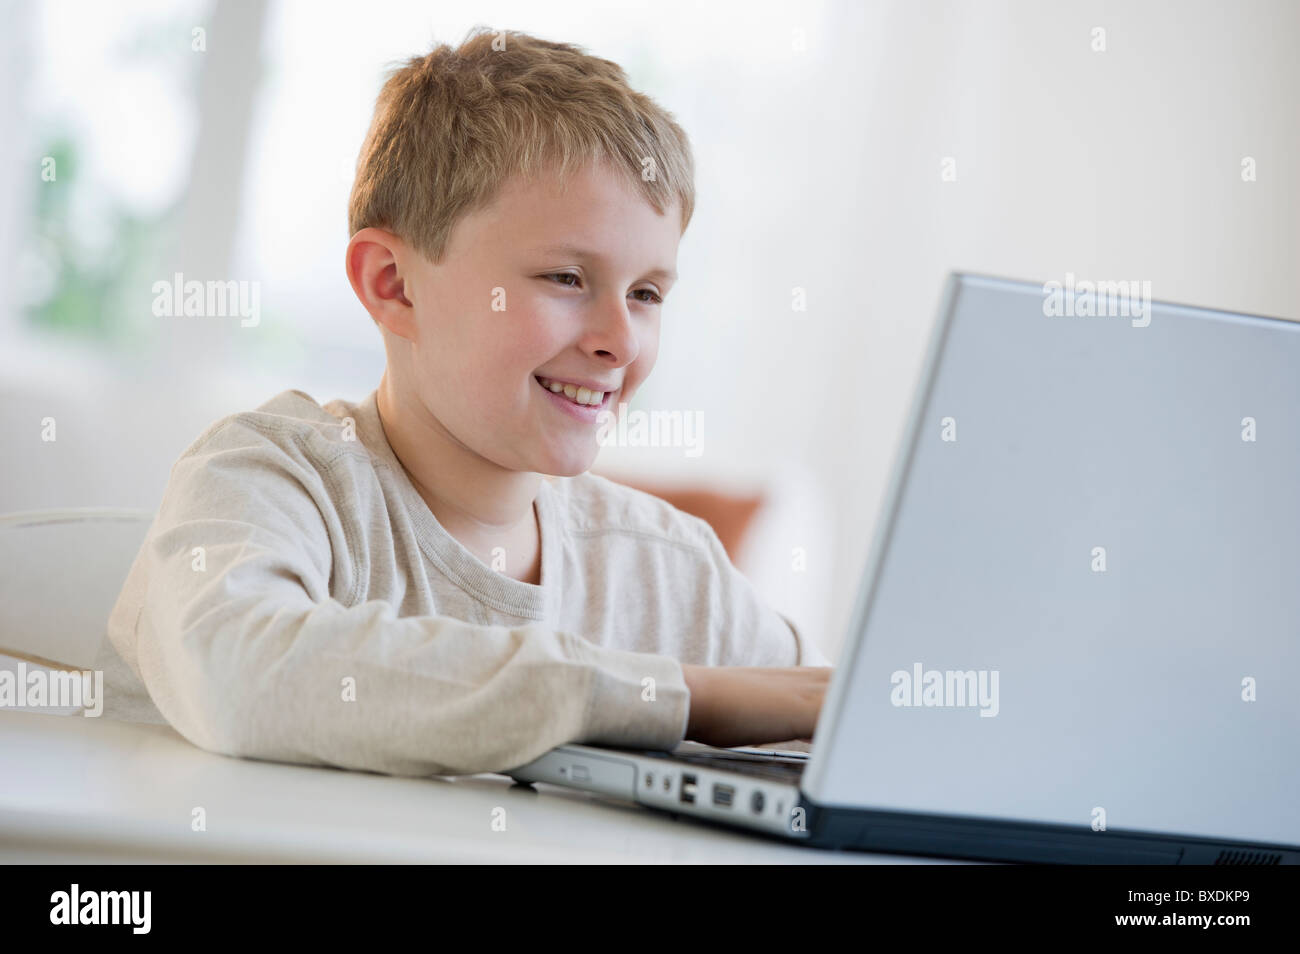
(251,656)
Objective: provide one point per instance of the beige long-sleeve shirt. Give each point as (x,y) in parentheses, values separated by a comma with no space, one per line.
(296,600)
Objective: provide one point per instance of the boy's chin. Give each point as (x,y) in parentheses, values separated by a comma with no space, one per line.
(567,465)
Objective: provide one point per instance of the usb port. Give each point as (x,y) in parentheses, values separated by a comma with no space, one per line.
(688,788)
(723,795)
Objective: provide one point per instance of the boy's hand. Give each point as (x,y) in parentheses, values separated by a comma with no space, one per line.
(748,705)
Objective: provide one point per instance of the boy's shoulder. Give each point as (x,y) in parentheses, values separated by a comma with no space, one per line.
(593,505)
(292,420)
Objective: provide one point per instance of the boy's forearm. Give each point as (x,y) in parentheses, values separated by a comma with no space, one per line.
(357,688)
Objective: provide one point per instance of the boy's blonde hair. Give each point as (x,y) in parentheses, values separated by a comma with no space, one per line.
(451,127)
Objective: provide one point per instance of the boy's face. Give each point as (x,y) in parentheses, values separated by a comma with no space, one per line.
(545,285)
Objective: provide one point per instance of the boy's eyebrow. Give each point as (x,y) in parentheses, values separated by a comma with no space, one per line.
(578,252)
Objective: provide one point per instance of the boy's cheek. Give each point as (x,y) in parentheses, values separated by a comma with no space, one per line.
(639,371)
(628,390)
(532,328)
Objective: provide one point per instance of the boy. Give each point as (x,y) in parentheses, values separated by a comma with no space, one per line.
(392,585)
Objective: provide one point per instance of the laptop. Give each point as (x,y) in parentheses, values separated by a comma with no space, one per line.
(1077,638)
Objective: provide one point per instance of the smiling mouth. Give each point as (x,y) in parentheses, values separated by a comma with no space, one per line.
(582,397)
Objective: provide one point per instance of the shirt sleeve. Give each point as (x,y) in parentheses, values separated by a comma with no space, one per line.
(245,651)
(810,653)
(748,630)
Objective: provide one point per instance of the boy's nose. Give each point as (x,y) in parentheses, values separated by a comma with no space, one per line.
(610,334)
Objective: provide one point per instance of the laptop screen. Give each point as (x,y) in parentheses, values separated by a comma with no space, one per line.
(1087,604)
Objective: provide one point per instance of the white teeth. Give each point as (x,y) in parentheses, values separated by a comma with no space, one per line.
(578,395)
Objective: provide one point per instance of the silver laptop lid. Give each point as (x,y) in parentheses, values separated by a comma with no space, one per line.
(1083,601)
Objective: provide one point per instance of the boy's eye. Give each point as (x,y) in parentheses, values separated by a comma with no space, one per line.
(654,299)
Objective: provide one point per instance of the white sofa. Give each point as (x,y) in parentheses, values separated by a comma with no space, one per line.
(63,570)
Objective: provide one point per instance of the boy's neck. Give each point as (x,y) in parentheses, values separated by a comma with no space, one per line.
(480,504)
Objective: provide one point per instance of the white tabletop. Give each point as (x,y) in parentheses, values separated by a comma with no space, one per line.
(74,789)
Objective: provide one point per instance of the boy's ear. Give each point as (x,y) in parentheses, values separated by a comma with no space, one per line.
(374,262)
